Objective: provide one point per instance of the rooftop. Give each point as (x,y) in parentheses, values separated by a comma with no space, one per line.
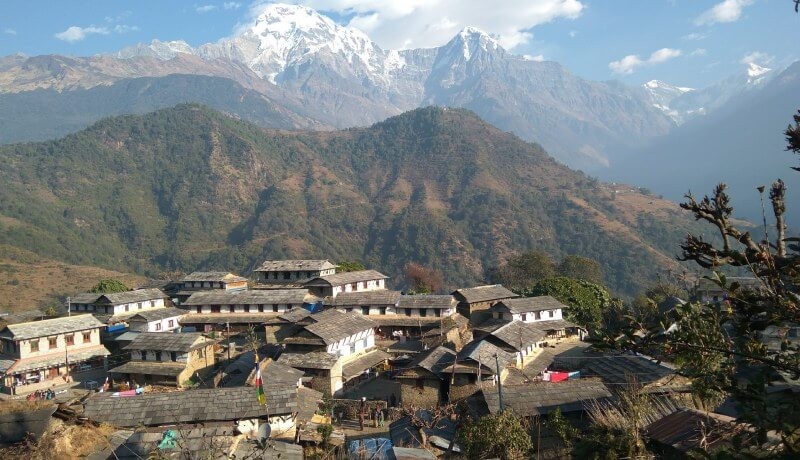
(366,298)
(255,297)
(190,406)
(745,282)
(339,279)
(519,335)
(539,398)
(484,293)
(313,360)
(531,304)
(48,327)
(222,318)
(166,341)
(619,369)
(158,314)
(333,325)
(295,315)
(170,369)
(427,301)
(689,429)
(364,362)
(483,352)
(436,360)
(137,295)
(295,265)
(213,276)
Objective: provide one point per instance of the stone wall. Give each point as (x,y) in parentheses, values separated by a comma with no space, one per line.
(421,393)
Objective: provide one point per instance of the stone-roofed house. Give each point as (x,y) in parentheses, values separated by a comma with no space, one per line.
(541,398)
(42,351)
(118,305)
(529,309)
(167,359)
(474,302)
(242,308)
(293,272)
(156,320)
(382,302)
(476,368)
(210,407)
(204,281)
(322,370)
(617,370)
(707,291)
(338,283)
(422,381)
(522,339)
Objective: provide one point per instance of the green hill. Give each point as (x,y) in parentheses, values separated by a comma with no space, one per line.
(188,188)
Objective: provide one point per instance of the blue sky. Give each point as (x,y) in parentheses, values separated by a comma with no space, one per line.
(685,42)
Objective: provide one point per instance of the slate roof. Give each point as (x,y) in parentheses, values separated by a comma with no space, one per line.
(484,293)
(685,429)
(483,352)
(213,276)
(254,297)
(190,406)
(157,314)
(427,301)
(531,304)
(232,318)
(85,297)
(539,398)
(746,282)
(48,327)
(170,369)
(274,373)
(295,315)
(519,335)
(338,279)
(167,341)
(137,295)
(364,362)
(43,362)
(313,360)
(617,369)
(426,322)
(295,265)
(436,360)
(333,325)
(366,298)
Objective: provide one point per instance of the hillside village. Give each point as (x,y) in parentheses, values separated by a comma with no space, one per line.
(301,345)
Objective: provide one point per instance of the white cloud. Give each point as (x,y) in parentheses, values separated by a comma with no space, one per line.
(573,33)
(631,62)
(695,36)
(757,57)
(205,8)
(76,34)
(124,28)
(537,58)
(9,31)
(698,52)
(428,23)
(231,5)
(725,11)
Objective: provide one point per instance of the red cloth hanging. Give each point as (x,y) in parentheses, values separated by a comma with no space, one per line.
(559,376)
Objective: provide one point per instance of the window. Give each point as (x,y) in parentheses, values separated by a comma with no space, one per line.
(408,312)
(158,326)
(247,308)
(423,312)
(171,323)
(34,345)
(524,316)
(144,355)
(127,307)
(52,342)
(365,310)
(87,337)
(275,308)
(69,339)
(437,312)
(199,309)
(383,310)
(172,356)
(287,275)
(215,309)
(354,286)
(158,356)
(420,384)
(289,306)
(261,308)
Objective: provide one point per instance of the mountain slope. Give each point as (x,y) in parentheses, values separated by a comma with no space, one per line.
(189,188)
(741,144)
(336,76)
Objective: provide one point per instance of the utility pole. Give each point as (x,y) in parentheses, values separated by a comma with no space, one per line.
(499,384)
(69,307)
(228,338)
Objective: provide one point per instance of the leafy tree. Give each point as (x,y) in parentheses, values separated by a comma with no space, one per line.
(522,271)
(501,436)
(109,286)
(52,310)
(581,268)
(422,280)
(350,266)
(586,301)
(560,426)
(325,431)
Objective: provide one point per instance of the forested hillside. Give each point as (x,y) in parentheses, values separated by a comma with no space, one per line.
(187,188)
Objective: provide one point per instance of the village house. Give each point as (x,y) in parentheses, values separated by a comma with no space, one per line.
(709,292)
(166,359)
(114,307)
(473,303)
(336,347)
(158,320)
(235,407)
(421,382)
(293,272)
(205,281)
(338,283)
(541,398)
(47,351)
(619,370)
(529,309)
(210,310)
(383,302)
(476,367)
(524,340)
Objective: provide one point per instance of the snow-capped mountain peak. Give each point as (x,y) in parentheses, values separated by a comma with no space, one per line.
(473,39)
(660,85)
(158,49)
(756,73)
